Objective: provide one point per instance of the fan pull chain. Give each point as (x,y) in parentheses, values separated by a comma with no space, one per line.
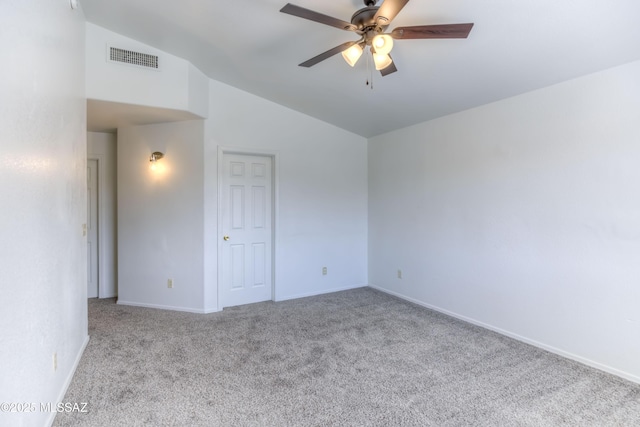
(371,80)
(367,82)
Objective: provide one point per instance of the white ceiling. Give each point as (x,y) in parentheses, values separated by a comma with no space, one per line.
(515,46)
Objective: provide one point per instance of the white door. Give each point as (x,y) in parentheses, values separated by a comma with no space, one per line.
(92,228)
(246,205)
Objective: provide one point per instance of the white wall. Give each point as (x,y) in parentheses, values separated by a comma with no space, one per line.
(198,91)
(102,146)
(43,306)
(175,85)
(322,176)
(160,216)
(167,225)
(522,215)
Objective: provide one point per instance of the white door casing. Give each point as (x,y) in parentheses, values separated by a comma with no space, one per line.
(92,228)
(246,229)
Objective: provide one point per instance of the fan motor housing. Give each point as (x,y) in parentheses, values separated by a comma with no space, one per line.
(363,19)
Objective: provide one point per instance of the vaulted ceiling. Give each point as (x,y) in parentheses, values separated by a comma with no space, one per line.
(514,47)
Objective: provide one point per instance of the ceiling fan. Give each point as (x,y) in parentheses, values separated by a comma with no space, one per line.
(370,24)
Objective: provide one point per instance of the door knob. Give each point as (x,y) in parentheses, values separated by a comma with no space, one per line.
(226,238)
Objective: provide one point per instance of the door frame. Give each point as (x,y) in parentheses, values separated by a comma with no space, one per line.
(99,158)
(275,229)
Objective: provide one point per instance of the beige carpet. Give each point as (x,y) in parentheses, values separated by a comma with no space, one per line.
(354,358)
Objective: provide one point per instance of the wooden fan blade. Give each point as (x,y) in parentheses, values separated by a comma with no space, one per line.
(328,54)
(446,31)
(391,68)
(388,10)
(301,12)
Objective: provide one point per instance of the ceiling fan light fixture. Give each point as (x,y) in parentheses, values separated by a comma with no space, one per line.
(352,54)
(370,24)
(382,44)
(381,61)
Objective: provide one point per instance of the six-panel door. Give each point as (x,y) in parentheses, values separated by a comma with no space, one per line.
(246,229)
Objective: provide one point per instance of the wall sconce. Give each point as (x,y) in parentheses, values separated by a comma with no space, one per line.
(153,160)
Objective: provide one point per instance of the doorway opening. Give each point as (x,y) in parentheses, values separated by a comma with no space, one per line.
(93,235)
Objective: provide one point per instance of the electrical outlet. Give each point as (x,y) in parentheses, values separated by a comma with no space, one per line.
(55,361)
(324,271)
(169,283)
(84,230)
(399,274)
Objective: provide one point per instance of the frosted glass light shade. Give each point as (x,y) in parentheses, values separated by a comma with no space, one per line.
(382,44)
(381,61)
(352,54)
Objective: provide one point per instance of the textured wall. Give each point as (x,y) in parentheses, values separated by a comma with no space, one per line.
(43,307)
(322,209)
(160,216)
(521,215)
(176,84)
(167,224)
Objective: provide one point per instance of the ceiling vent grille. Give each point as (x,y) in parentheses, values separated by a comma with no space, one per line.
(131,57)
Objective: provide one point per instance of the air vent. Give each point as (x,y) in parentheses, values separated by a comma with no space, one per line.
(131,57)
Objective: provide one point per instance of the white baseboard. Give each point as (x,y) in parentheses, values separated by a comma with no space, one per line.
(215,310)
(163,307)
(311,294)
(68,380)
(568,355)
(109,295)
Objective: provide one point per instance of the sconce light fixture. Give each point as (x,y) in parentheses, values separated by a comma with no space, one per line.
(153,160)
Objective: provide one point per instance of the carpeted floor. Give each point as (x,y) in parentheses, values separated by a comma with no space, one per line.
(353,358)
